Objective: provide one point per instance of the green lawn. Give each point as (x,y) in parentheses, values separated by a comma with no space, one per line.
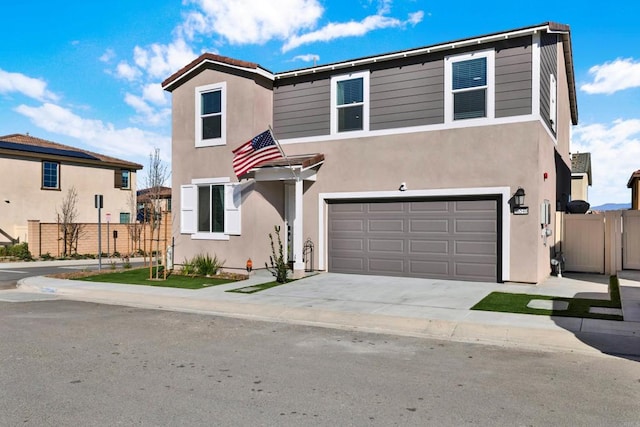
(578,307)
(140,276)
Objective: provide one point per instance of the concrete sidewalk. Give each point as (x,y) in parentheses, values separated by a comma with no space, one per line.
(414,307)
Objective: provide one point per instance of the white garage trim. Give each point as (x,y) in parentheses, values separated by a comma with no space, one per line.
(505,192)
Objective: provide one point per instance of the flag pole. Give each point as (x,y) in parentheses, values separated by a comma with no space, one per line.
(282,152)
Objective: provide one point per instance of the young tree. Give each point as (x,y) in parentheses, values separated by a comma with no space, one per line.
(157,175)
(67,217)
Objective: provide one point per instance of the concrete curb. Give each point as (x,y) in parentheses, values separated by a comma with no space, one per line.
(612,337)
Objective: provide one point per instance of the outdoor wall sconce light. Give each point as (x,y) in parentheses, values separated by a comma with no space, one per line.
(518,197)
(517,203)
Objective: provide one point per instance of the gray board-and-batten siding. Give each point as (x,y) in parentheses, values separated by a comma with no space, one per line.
(403,93)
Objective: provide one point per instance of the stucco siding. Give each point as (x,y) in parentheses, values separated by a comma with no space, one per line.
(28,201)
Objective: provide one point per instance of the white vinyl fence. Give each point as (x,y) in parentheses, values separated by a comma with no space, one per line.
(601,243)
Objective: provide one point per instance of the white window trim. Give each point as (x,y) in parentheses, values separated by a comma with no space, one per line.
(364,75)
(553,102)
(491,86)
(232,209)
(199,142)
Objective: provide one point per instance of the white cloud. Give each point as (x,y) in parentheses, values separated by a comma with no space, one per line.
(612,77)
(416,17)
(102,137)
(252,21)
(147,114)
(348,29)
(615,150)
(162,60)
(154,93)
(127,72)
(108,55)
(309,57)
(25,85)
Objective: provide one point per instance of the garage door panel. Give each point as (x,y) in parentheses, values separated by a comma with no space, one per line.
(476,206)
(349,207)
(386,207)
(347,245)
(357,225)
(445,239)
(475,248)
(429,247)
(385,225)
(429,268)
(385,266)
(429,226)
(387,245)
(349,265)
(433,206)
(475,226)
(474,270)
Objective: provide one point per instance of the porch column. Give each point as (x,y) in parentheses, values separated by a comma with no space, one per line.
(298,264)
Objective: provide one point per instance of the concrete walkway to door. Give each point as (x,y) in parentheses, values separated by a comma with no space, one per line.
(405,306)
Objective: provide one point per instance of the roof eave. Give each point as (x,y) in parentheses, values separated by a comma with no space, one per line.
(178,77)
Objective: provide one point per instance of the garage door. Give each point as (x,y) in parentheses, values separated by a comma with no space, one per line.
(448,239)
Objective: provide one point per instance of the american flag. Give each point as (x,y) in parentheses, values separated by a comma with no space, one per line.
(258,150)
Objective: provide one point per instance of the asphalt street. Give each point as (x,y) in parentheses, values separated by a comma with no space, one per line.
(75,363)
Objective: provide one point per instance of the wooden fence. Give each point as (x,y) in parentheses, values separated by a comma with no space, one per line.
(124,239)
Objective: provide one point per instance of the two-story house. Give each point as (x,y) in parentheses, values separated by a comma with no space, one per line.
(38,174)
(403,164)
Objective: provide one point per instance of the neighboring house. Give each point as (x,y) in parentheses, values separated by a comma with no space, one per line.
(38,174)
(400,164)
(580,176)
(634,185)
(147,195)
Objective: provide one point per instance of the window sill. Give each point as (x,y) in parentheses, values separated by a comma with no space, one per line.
(210,236)
(210,143)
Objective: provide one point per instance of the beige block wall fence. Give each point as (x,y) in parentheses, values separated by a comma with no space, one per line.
(47,238)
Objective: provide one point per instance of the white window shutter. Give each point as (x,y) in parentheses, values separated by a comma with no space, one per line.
(188,209)
(232,209)
(553,108)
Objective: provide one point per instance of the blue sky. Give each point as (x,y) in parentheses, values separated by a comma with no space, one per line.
(88,74)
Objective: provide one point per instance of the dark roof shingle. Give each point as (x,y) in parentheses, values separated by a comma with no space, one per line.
(28,143)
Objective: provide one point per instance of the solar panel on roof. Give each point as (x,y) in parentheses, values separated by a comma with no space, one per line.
(46,150)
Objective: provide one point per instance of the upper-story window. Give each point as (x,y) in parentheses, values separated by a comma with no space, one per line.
(350,102)
(51,175)
(122,179)
(469,86)
(211,115)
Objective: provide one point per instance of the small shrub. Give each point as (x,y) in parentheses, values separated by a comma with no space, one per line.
(112,265)
(188,268)
(3,251)
(125,261)
(206,266)
(20,251)
(279,267)
(47,257)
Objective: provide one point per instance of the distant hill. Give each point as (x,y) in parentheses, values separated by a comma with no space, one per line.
(611,207)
